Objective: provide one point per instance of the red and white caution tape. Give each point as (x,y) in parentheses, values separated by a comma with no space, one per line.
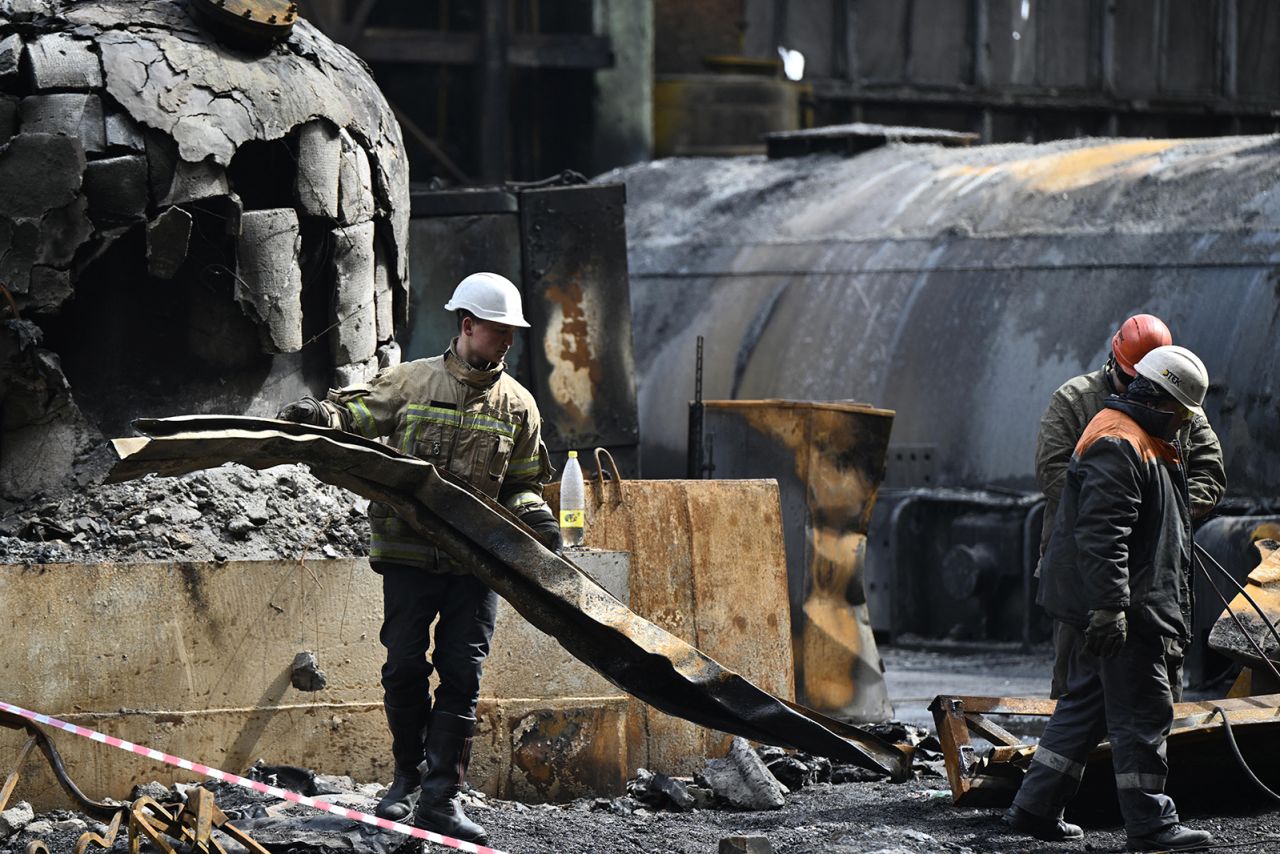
(255,785)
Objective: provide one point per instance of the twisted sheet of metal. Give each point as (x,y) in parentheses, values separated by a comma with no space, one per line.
(550,592)
(99,810)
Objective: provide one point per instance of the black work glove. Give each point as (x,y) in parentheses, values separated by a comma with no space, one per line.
(544,524)
(305,411)
(1106,633)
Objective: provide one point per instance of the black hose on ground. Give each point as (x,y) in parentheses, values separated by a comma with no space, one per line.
(1235,749)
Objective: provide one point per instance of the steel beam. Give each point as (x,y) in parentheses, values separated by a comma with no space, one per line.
(523,50)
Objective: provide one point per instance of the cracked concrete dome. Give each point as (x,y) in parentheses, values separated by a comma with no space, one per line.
(186,225)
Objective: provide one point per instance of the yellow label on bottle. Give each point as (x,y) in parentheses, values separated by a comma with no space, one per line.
(571,518)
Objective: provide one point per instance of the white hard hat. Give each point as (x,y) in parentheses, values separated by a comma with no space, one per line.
(489,297)
(1179,372)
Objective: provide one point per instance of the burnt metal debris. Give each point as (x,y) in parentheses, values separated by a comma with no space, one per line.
(828,459)
(986,772)
(547,590)
(192,825)
(249,23)
(36,737)
(856,138)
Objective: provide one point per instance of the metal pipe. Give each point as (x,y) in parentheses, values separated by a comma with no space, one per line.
(1030,541)
(495,104)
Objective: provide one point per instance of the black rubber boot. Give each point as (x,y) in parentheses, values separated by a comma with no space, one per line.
(1047,829)
(448,752)
(408,729)
(1175,837)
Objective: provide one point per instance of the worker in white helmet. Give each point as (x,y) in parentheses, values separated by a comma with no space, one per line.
(1117,573)
(464,413)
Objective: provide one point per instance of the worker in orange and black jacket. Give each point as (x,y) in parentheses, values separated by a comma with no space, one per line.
(1116,575)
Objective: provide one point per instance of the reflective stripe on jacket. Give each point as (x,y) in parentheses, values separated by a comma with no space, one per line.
(480,425)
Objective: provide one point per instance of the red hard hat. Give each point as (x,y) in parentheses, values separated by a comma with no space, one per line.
(1136,337)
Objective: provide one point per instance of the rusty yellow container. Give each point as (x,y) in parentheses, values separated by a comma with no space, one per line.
(708,565)
(828,459)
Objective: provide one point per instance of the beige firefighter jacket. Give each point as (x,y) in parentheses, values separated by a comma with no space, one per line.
(480,425)
(1071,409)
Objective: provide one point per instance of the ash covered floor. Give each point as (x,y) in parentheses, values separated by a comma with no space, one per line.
(235,513)
(879,817)
(868,816)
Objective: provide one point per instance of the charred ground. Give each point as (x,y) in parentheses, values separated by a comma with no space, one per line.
(876,817)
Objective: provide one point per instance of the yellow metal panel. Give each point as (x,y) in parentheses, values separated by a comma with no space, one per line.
(829,456)
(707,565)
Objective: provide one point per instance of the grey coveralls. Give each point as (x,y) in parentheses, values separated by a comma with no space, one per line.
(1122,543)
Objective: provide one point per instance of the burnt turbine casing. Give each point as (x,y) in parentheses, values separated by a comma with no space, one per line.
(194,217)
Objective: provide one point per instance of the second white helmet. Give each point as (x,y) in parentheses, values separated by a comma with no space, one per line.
(489,297)
(1179,372)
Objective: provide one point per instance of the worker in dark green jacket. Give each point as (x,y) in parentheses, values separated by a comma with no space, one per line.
(1072,407)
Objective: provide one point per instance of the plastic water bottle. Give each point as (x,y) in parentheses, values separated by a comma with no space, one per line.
(572,502)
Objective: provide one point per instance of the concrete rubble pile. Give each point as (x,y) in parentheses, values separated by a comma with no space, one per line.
(228,513)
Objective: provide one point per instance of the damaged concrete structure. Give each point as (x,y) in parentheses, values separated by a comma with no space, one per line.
(210,674)
(188,224)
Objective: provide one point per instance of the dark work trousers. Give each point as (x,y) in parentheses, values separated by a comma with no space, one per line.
(1068,640)
(411,599)
(1127,700)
